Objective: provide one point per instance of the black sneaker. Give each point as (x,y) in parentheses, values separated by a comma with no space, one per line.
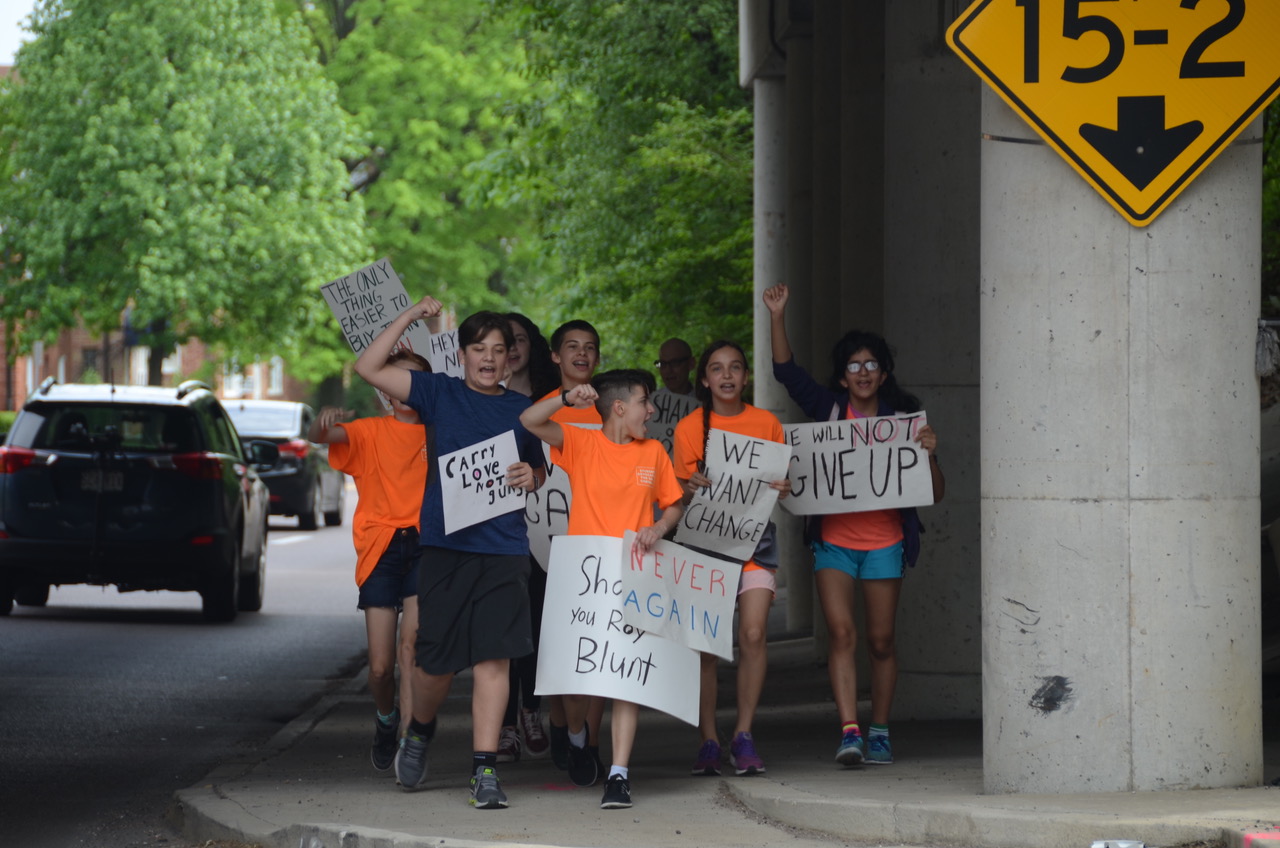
(617,793)
(583,770)
(559,745)
(383,751)
(411,763)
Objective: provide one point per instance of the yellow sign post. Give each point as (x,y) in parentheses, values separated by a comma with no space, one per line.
(1139,96)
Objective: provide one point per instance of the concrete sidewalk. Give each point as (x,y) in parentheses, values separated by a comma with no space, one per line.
(314,781)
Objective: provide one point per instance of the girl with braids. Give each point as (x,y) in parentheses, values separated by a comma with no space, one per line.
(870,547)
(719,384)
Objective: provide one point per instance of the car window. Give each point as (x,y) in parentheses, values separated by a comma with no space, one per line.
(118,426)
(222,433)
(279,421)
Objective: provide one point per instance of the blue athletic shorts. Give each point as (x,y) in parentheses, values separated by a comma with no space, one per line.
(395,576)
(879,564)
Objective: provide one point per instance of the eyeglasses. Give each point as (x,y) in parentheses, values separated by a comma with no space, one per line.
(671,363)
(871,365)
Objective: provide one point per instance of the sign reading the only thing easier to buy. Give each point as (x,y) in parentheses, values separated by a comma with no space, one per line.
(1139,97)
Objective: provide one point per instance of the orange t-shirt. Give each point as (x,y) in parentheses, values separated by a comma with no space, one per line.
(689,444)
(388,461)
(614,485)
(572,414)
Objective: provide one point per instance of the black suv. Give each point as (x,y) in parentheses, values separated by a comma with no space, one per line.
(133,486)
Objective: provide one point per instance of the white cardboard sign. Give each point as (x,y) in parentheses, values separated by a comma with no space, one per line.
(731,514)
(587,648)
(669,409)
(858,464)
(681,595)
(546,511)
(473,482)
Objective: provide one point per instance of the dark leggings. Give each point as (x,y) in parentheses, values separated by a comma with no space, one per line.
(523,674)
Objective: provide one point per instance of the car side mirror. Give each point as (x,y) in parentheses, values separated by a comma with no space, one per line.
(263,454)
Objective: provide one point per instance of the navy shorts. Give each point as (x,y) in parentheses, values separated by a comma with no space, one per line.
(395,576)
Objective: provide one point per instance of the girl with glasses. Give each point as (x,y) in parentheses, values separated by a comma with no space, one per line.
(872,547)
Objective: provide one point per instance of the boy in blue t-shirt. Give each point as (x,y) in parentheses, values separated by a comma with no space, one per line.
(473,599)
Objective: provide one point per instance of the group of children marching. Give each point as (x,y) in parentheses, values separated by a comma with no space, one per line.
(472,599)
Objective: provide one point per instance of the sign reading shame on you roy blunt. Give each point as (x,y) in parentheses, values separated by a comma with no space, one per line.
(587,648)
(858,464)
(473,482)
(682,595)
(731,514)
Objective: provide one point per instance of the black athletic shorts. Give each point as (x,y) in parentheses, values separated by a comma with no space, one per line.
(471,608)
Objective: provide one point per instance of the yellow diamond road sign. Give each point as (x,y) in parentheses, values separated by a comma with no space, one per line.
(1138,95)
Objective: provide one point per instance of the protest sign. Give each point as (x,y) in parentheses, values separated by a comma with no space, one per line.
(858,464)
(682,595)
(473,482)
(442,353)
(587,648)
(367,300)
(731,514)
(670,408)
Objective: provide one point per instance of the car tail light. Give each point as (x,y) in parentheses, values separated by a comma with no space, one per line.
(295,447)
(202,466)
(13,460)
(201,541)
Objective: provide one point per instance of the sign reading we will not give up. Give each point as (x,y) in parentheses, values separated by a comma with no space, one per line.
(858,464)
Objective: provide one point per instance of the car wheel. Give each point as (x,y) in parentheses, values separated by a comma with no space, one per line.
(6,595)
(253,585)
(32,595)
(218,599)
(311,520)
(334,519)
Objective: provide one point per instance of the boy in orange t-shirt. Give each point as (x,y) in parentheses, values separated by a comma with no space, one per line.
(386,456)
(617,475)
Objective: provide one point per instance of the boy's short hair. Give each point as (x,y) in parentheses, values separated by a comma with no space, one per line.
(406,355)
(480,324)
(618,385)
(576,324)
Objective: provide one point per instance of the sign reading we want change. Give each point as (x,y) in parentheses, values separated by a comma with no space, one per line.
(473,482)
(731,514)
(858,464)
(367,300)
(588,648)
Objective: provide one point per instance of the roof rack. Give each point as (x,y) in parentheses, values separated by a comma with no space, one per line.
(190,386)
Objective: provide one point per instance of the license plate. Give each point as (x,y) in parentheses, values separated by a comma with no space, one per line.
(97,480)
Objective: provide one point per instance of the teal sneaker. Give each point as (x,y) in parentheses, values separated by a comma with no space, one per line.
(879,751)
(850,751)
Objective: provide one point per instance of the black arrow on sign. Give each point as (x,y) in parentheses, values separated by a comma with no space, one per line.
(1141,147)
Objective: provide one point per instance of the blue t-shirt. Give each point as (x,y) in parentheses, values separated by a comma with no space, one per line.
(462,417)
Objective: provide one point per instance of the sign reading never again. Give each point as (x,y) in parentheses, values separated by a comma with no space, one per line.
(1139,97)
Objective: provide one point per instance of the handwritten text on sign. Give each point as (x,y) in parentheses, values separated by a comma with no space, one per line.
(546,511)
(731,514)
(473,482)
(367,300)
(681,595)
(587,648)
(442,353)
(669,408)
(858,464)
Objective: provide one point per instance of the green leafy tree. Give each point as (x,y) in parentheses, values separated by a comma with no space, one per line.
(432,84)
(640,156)
(182,161)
